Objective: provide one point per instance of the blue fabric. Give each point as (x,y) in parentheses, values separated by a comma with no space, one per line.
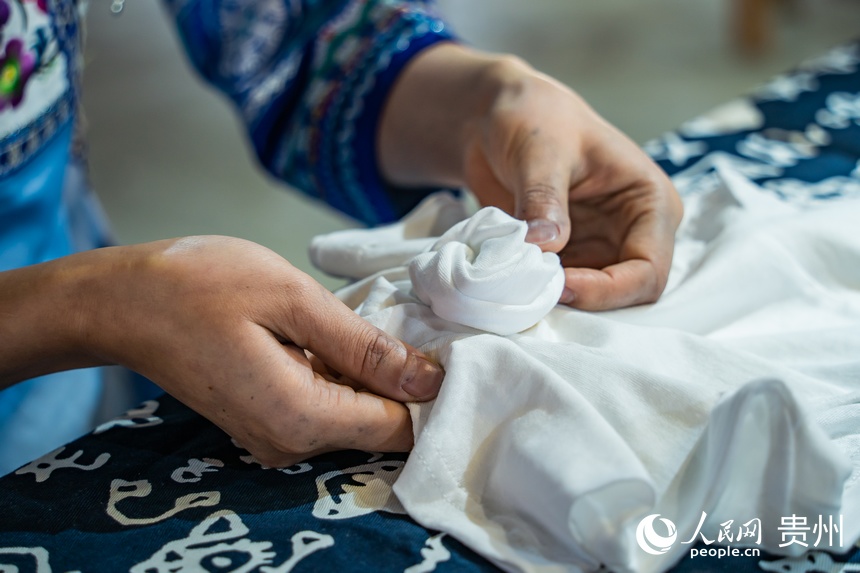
(34,226)
(309,79)
(41,414)
(258,514)
(49,411)
(163,485)
(394,202)
(795,146)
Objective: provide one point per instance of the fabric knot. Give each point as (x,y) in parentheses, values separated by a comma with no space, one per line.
(482,273)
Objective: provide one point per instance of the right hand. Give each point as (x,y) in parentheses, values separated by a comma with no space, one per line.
(223,324)
(529,145)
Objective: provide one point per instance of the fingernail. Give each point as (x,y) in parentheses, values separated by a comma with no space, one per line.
(421,378)
(541,231)
(567,296)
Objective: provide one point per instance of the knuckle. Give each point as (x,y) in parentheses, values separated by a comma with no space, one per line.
(652,294)
(656,285)
(599,300)
(540,192)
(650,285)
(376,353)
(298,294)
(589,300)
(662,197)
(304,312)
(538,198)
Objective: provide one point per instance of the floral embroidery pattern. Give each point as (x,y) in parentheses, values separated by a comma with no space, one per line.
(16,67)
(39,59)
(18,61)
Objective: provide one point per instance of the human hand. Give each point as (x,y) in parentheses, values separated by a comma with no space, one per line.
(222,324)
(529,145)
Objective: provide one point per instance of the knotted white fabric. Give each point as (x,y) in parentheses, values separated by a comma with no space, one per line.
(483,274)
(734,398)
(480,273)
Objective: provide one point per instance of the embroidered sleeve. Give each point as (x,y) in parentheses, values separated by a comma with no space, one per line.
(309,78)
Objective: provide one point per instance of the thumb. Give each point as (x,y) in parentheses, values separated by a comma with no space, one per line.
(541,195)
(359,350)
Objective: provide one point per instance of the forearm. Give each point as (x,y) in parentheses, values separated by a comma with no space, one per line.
(41,319)
(437,106)
(223,325)
(429,111)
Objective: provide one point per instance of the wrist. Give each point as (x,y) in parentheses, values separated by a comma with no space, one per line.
(43,320)
(437,106)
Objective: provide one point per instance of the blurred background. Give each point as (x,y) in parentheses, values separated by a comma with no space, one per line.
(169,158)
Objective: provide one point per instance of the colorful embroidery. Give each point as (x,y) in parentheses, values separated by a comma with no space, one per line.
(39,55)
(16,67)
(310,78)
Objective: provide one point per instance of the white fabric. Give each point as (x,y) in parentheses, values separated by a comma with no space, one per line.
(358,253)
(483,274)
(737,394)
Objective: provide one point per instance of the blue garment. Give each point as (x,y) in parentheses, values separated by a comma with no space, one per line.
(45,211)
(35,230)
(308,77)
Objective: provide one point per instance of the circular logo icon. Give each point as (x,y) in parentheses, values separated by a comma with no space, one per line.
(652,542)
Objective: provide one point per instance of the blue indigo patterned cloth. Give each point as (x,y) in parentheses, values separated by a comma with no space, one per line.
(162,489)
(798,136)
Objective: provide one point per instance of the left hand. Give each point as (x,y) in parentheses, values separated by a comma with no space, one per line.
(225,326)
(531,146)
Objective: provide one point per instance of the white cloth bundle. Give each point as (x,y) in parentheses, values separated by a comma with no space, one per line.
(483,274)
(479,273)
(735,397)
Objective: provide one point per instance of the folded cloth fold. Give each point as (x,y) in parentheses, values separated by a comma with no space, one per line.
(359,253)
